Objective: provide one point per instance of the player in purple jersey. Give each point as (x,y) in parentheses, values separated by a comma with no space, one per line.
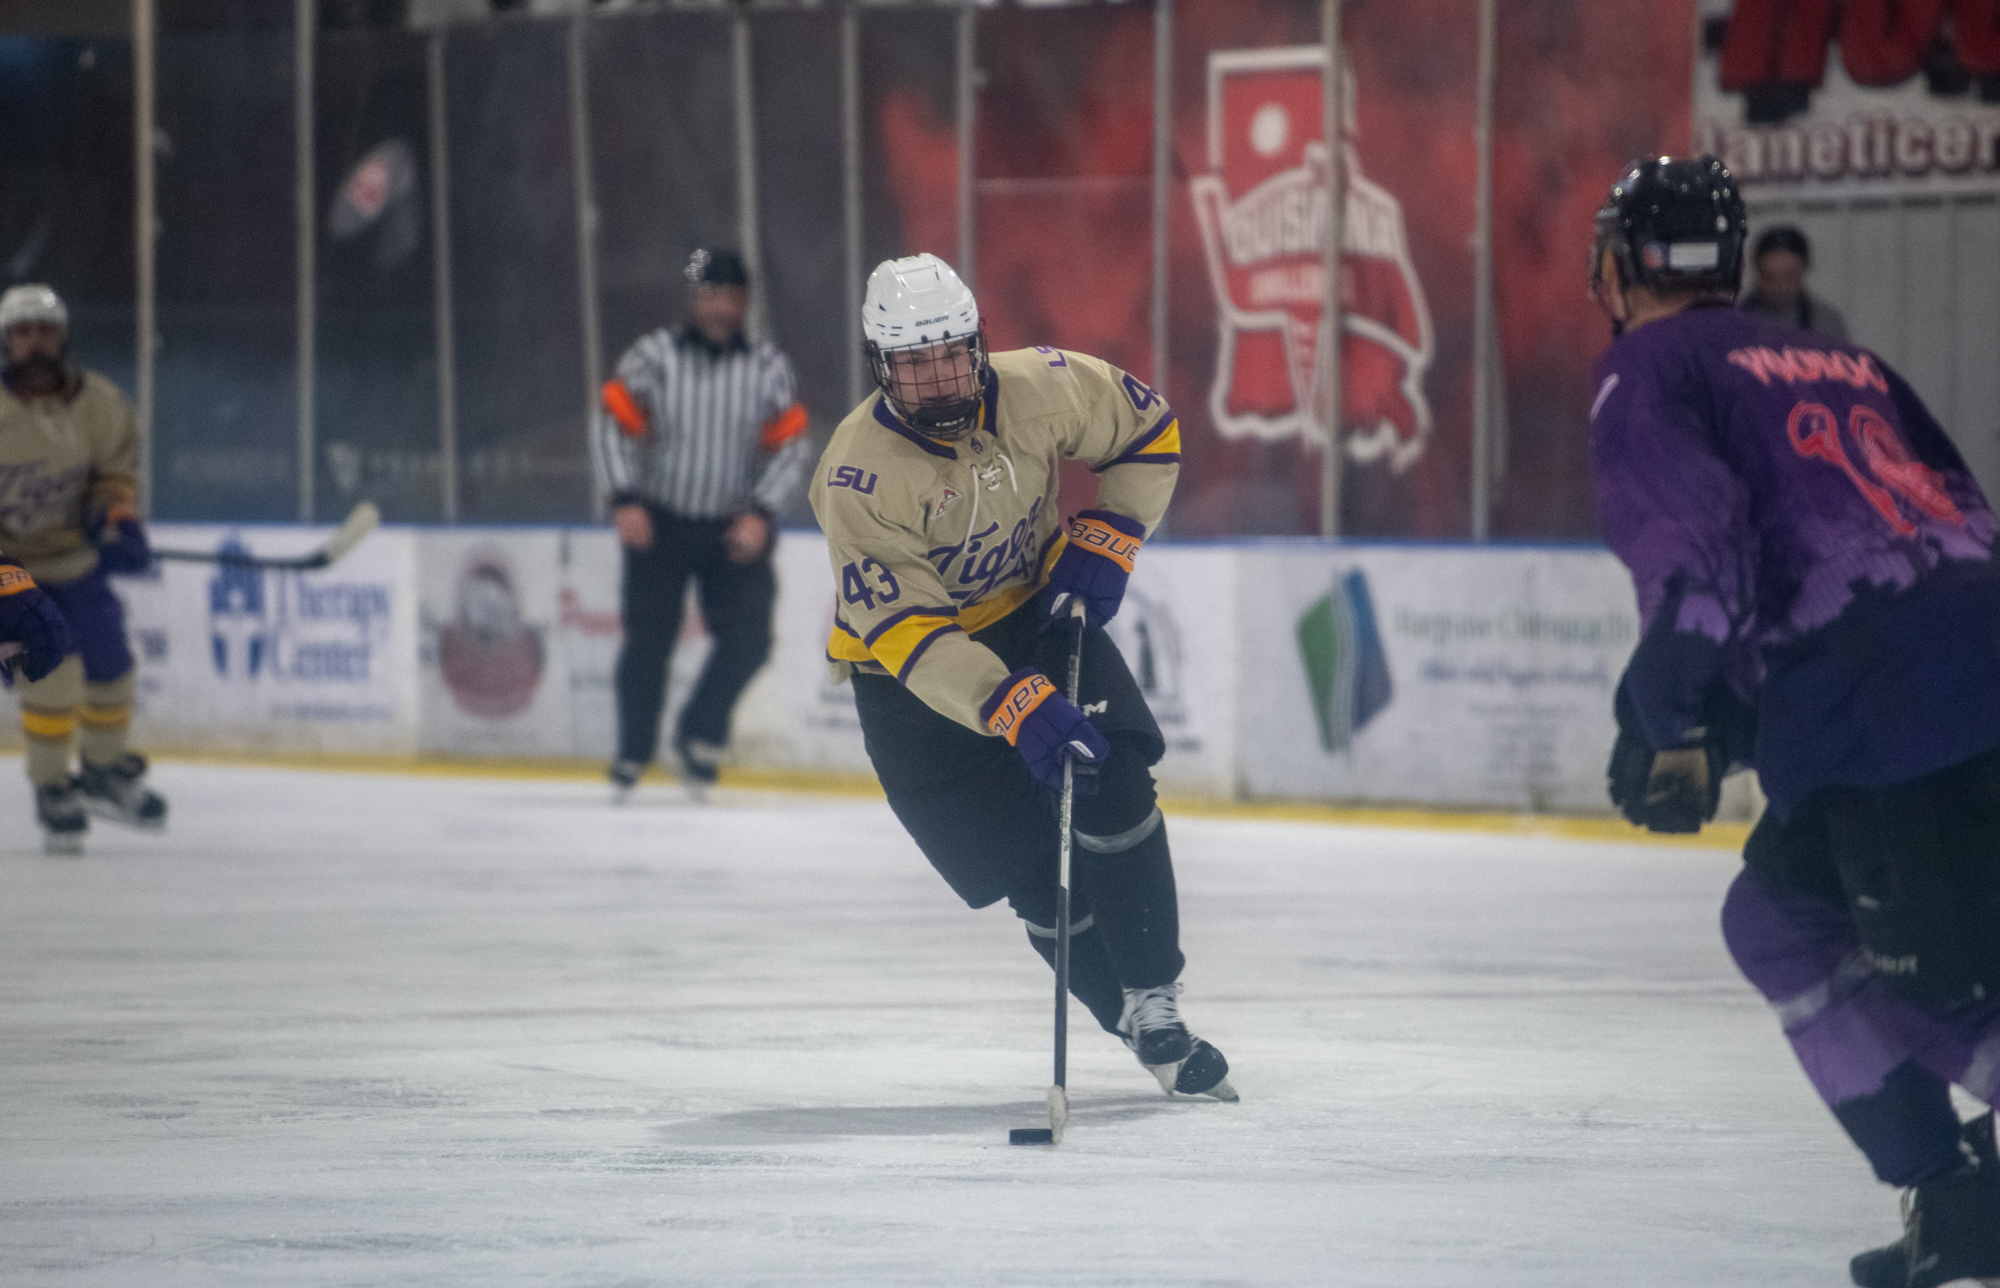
(1820,601)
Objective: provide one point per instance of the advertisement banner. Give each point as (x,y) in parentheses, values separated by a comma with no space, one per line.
(1455,676)
(823,731)
(1464,677)
(238,657)
(1178,632)
(495,675)
(520,638)
(1869,100)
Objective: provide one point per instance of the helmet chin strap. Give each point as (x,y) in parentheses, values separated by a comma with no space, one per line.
(951,433)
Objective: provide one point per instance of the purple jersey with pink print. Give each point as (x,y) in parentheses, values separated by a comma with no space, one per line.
(1798,526)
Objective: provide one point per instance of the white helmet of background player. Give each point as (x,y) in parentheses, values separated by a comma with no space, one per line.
(925,346)
(32,303)
(41,372)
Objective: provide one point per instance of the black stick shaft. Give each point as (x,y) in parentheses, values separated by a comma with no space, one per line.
(304,563)
(1062,867)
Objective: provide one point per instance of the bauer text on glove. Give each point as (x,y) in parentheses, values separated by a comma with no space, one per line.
(30,621)
(1046,728)
(1094,566)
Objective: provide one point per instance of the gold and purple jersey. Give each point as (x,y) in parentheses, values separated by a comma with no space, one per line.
(64,461)
(932,541)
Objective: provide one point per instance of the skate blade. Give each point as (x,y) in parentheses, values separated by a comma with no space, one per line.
(129,821)
(124,818)
(1169,1076)
(62,845)
(1204,1063)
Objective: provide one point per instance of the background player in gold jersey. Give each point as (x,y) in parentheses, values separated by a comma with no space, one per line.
(938,496)
(69,452)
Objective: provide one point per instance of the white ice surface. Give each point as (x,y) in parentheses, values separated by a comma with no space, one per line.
(344,1029)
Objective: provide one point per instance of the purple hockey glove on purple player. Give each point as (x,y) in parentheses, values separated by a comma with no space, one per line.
(1046,728)
(121,542)
(33,634)
(1093,567)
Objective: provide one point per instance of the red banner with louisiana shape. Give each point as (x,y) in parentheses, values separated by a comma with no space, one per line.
(1262,209)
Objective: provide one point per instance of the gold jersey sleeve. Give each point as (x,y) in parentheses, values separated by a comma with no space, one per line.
(931,541)
(64,462)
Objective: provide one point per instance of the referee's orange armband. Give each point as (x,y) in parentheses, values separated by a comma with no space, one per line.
(783,428)
(625,409)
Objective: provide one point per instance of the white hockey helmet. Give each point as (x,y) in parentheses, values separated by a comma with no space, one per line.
(917,303)
(32,302)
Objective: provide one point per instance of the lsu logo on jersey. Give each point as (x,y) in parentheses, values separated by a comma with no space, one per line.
(852,476)
(1262,209)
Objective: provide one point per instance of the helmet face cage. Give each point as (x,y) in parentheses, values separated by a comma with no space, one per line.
(941,408)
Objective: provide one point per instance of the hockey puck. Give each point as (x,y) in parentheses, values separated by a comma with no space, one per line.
(1031,1136)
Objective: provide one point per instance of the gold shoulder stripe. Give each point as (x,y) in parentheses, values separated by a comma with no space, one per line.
(1167,444)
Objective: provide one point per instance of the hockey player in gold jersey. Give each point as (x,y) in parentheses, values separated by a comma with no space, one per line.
(951,558)
(69,452)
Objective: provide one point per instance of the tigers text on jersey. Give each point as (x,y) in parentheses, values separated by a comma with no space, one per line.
(63,462)
(931,540)
(703,430)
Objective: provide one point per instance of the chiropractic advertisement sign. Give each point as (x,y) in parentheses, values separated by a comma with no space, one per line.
(1462,677)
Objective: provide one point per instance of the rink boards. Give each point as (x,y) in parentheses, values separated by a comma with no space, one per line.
(1444,675)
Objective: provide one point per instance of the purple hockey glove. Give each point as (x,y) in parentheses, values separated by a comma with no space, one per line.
(33,634)
(1046,728)
(121,543)
(1093,567)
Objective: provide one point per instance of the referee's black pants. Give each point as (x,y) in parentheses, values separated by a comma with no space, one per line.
(736,601)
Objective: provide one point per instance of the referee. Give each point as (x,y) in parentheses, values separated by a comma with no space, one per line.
(699,442)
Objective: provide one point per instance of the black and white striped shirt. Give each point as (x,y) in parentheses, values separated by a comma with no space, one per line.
(703,432)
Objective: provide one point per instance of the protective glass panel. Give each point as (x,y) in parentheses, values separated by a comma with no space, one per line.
(801,215)
(663,147)
(375,386)
(66,187)
(225,415)
(521,382)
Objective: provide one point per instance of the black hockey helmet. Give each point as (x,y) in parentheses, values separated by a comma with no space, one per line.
(1673,222)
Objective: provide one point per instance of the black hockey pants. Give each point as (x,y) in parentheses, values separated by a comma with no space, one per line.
(989,828)
(736,602)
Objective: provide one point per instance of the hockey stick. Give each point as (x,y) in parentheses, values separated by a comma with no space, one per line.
(361,521)
(1059,1089)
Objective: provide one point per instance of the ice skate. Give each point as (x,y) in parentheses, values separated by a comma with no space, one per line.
(700,765)
(118,791)
(1152,1027)
(1951,1226)
(59,809)
(624,776)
